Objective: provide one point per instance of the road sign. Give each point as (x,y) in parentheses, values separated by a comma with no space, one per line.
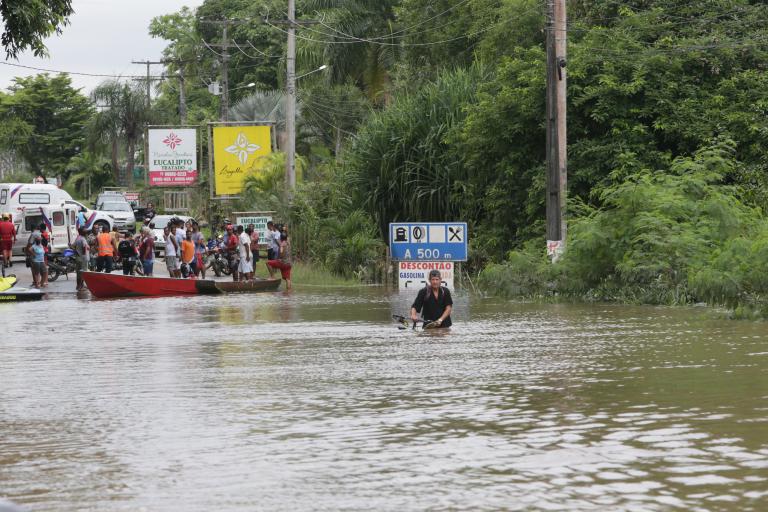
(415,274)
(428,241)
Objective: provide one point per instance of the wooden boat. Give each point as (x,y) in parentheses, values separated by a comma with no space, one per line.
(10,293)
(259,285)
(105,285)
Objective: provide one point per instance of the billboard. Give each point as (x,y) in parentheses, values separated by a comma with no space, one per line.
(236,152)
(172,157)
(259,223)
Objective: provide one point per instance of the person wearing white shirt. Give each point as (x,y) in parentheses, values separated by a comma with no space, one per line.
(244,247)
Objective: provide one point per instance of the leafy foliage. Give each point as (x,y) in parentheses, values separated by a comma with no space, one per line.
(43,120)
(28,22)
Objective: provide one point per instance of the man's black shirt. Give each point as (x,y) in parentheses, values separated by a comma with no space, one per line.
(433,308)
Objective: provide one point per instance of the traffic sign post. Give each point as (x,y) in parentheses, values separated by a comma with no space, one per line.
(428,241)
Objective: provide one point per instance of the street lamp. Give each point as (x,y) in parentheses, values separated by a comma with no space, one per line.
(244,86)
(313,71)
(290,119)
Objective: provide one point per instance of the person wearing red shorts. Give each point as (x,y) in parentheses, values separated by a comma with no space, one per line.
(7,238)
(284,262)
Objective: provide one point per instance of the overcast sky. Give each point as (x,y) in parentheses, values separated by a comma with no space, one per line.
(103,37)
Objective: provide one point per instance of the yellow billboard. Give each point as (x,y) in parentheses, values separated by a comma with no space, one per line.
(236,152)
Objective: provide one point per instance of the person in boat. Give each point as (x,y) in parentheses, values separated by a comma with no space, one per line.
(434,302)
(82,250)
(284,263)
(7,238)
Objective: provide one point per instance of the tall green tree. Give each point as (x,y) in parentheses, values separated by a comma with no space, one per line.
(47,117)
(28,22)
(122,118)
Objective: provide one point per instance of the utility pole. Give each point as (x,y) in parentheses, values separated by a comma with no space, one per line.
(149,78)
(557,177)
(182,98)
(290,97)
(224,113)
(225,46)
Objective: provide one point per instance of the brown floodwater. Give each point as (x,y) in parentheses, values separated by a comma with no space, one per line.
(314,400)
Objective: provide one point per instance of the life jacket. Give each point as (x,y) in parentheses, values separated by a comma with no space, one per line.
(105,244)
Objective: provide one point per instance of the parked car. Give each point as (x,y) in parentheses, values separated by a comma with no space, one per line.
(122,213)
(109,196)
(157,224)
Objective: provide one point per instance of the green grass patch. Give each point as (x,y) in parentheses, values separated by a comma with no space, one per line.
(309,274)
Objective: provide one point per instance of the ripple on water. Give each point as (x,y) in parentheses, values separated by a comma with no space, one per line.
(315,400)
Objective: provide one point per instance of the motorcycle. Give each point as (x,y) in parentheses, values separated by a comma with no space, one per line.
(61,263)
(218,262)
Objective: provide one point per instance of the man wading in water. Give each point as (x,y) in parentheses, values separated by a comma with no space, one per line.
(436,302)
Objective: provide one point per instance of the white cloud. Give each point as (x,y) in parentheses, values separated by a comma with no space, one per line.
(103,37)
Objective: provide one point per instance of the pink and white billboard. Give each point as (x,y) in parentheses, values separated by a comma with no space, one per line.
(172,157)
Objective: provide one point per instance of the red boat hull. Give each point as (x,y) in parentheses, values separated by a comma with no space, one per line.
(104,285)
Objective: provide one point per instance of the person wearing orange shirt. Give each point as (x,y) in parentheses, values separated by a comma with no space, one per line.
(107,248)
(187,254)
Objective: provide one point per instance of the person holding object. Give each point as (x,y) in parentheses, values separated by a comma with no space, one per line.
(434,302)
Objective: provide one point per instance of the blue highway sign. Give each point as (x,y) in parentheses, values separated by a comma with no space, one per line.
(428,241)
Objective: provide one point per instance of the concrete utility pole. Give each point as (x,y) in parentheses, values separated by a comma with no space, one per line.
(290,100)
(290,96)
(557,177)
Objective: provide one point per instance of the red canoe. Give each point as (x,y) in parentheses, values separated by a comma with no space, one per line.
(117,285)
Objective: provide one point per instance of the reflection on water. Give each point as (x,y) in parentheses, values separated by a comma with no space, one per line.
(310,400)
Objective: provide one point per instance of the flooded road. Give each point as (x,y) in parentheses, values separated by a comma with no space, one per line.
(316,401)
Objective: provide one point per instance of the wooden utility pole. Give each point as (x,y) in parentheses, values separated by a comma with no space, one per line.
(557,177)
(224,58)
(182,97)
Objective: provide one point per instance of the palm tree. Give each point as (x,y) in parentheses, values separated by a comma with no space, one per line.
(88,171)
(124,113)
(349,23)
(263,106)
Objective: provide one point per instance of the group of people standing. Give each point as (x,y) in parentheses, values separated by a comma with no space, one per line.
(241,248)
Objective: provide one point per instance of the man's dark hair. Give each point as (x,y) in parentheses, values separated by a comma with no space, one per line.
(43,227)
(270,223)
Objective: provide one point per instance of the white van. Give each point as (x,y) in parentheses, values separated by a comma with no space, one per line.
(17,197)
(60,221)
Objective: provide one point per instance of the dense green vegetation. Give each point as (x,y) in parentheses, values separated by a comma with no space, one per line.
(433,110)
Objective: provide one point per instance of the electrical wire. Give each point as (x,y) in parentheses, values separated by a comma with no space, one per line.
(47,70)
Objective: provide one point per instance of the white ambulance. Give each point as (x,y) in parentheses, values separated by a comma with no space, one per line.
(15,198)
(60,221)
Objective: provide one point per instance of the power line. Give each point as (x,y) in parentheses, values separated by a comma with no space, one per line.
(47,70)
